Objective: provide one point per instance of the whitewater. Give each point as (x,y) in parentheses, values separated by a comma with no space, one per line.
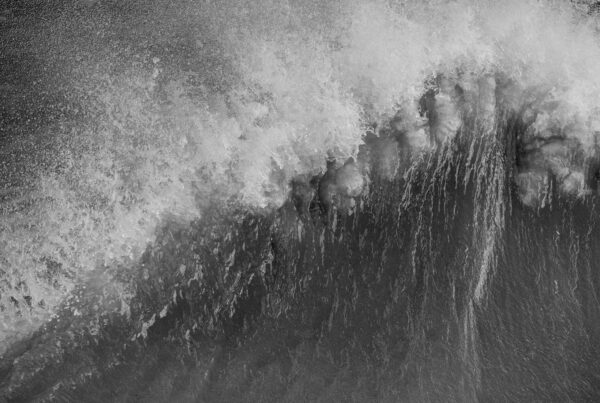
(299,201)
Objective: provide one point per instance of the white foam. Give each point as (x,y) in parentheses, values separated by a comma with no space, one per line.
(305,78)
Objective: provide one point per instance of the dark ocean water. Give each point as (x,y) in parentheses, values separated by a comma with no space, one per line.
(372,308)
(180,219)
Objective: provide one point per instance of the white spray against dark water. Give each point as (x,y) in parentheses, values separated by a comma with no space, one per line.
(261,94)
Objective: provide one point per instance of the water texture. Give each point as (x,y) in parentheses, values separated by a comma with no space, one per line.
(299,201)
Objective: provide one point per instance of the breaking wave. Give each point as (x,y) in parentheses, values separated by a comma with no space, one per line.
(300,200)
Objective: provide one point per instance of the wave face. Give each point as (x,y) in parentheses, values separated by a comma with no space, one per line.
(299,201)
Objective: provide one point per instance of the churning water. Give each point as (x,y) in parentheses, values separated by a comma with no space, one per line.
(299,201)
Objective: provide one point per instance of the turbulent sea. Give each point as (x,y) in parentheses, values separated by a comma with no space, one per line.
(298,200)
